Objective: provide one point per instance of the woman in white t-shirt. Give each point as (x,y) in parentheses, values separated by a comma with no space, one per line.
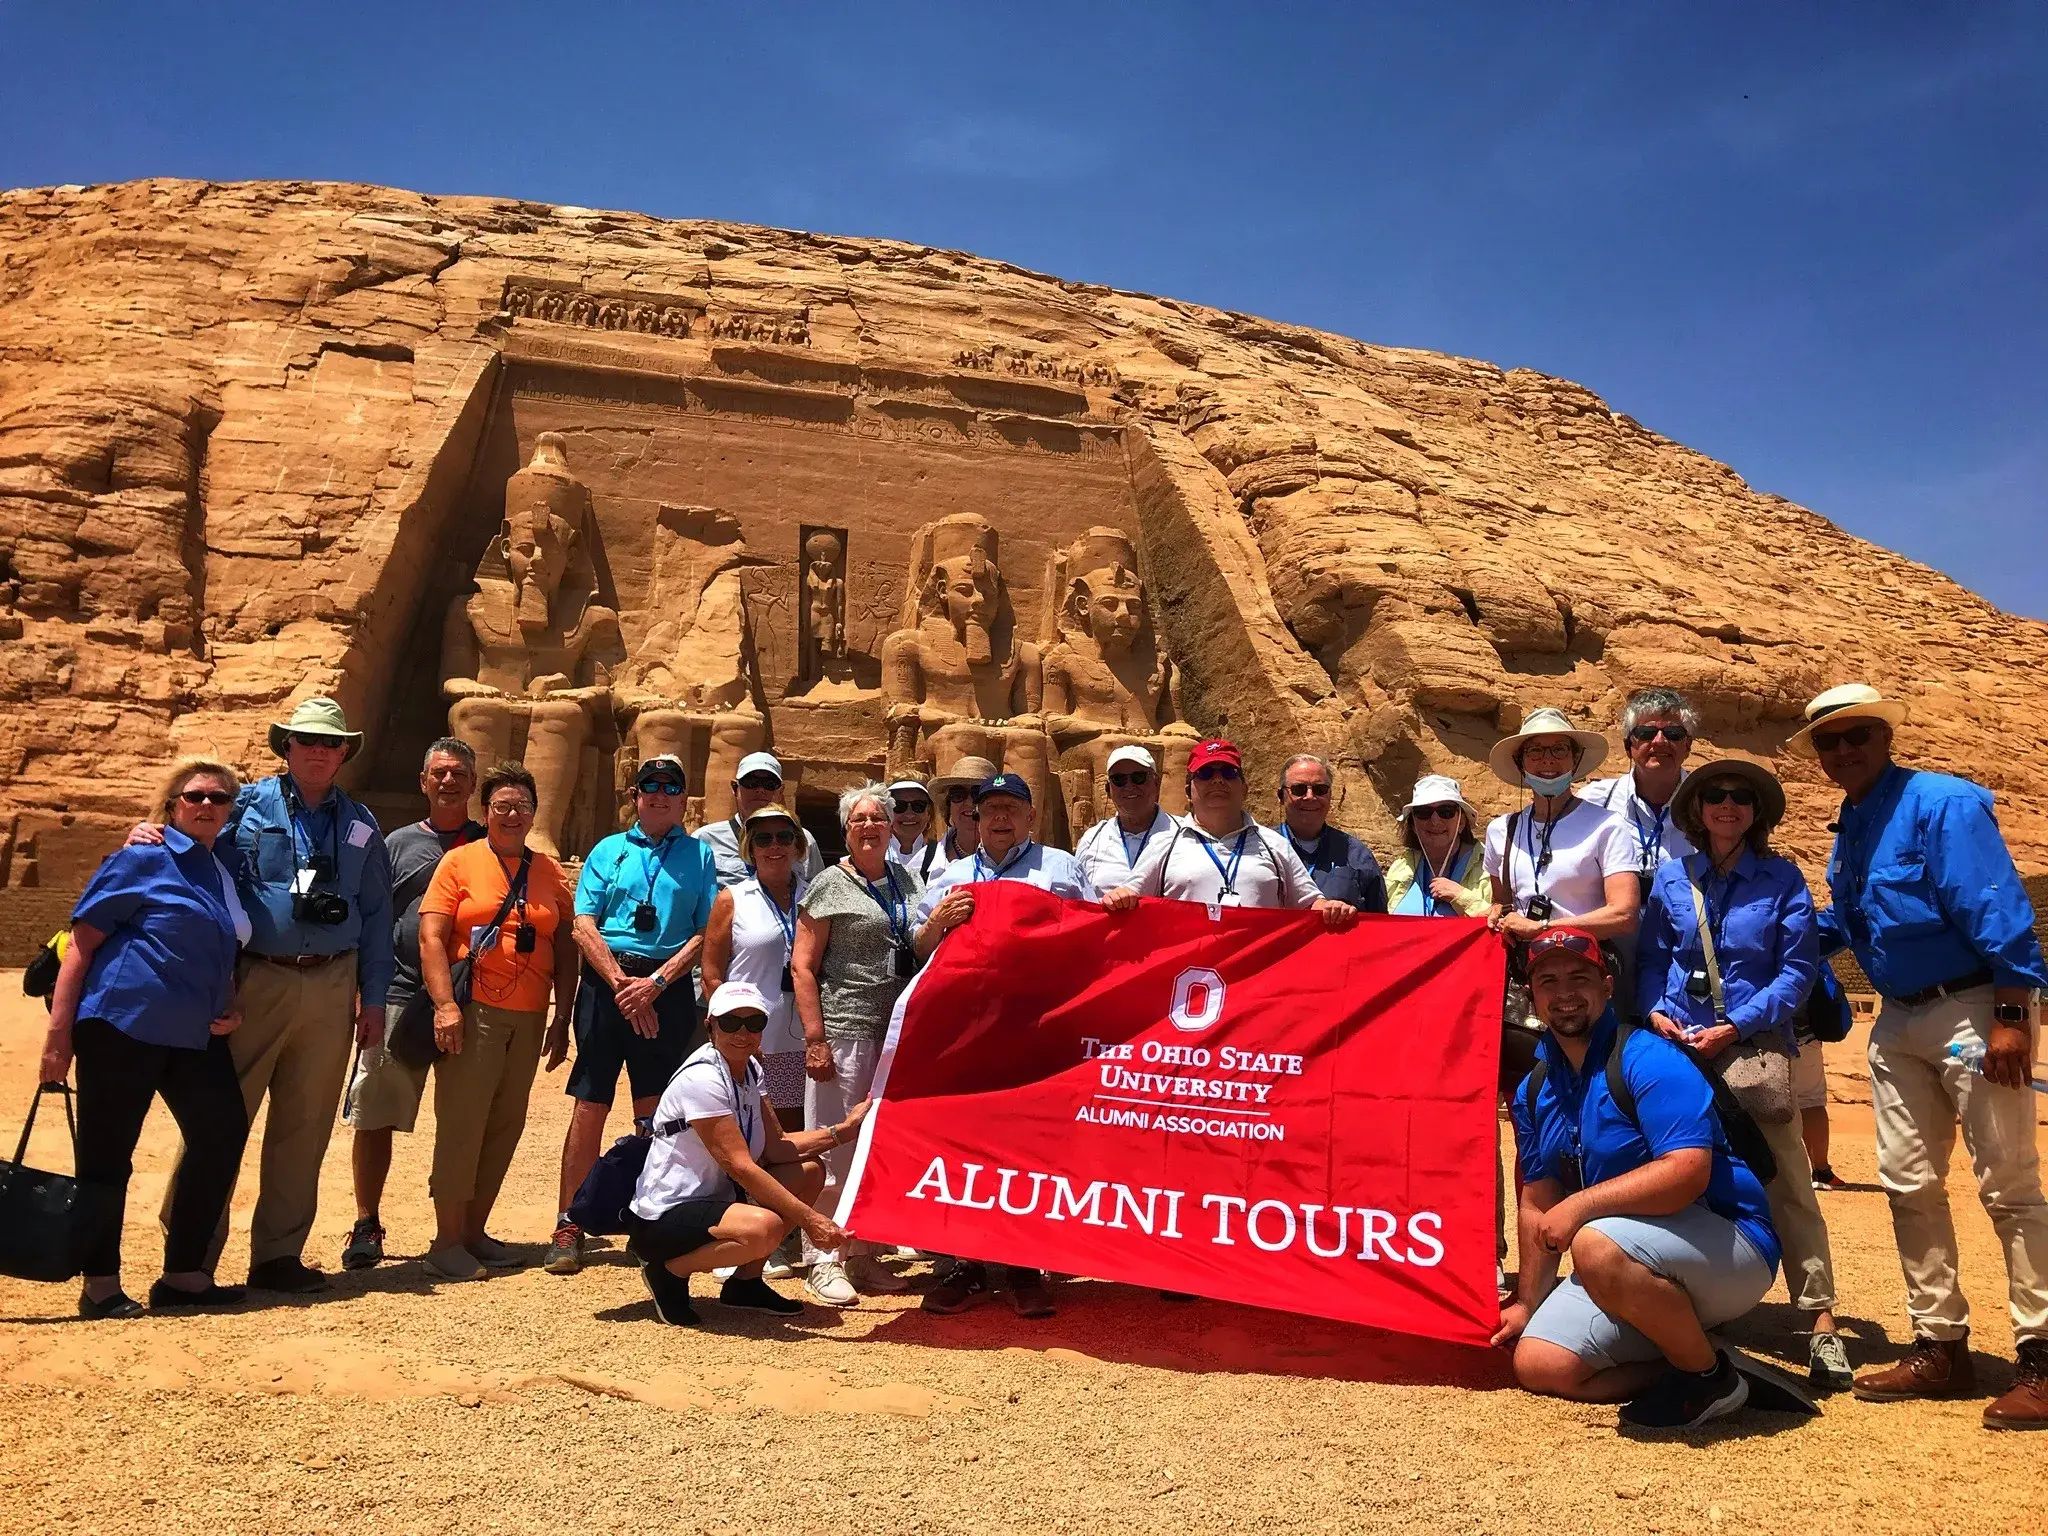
(724,1183)
(1559,859)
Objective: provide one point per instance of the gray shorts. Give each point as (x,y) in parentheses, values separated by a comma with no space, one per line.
(1810,1076)
(1704,1254)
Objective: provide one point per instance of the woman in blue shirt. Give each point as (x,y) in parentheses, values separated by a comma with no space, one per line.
(144,1003)
(1767,956)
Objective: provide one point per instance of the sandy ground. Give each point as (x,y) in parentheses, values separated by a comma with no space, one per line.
(528,1402)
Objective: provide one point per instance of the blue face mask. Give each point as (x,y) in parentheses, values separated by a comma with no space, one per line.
(1548,784)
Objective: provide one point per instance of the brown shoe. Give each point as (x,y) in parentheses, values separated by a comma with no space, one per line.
(1932,1368)
(2025,1404)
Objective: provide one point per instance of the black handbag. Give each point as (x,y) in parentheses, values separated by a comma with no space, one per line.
(410,1037)
(46,1219)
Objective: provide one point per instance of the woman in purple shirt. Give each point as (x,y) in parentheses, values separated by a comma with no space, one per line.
(144,1003)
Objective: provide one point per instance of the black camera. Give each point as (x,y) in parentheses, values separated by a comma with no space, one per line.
(1540,908)
(523,938)
(643,918)
(1698,987)
(323,909)
(906,962)
(788,981)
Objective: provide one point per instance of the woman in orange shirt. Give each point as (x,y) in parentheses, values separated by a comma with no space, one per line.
(494,1044)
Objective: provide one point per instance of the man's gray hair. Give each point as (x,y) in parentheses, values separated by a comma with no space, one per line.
(1645,703)
(849,800)
(448,746)
(1329,773)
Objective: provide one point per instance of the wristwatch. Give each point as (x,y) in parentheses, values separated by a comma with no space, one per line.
(660,982)
(2009,1013)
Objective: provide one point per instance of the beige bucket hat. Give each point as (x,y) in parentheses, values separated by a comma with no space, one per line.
(1545,722)
(966,773)
(316,717)
(1850,701)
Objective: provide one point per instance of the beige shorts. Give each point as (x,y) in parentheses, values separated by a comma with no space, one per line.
(383,1092)
(1809,1077)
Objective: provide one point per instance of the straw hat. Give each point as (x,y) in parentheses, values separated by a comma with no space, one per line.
(1545,722)
(966,773)
(1770,794)
(1851,701)
(316,717)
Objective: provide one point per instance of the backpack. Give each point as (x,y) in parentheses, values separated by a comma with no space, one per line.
(1825,1016)
(601,1199)
(1745,1138)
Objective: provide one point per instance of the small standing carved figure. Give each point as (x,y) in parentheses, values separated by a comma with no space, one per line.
(825,597)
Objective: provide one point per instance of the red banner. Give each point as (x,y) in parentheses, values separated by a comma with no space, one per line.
(1233,1102)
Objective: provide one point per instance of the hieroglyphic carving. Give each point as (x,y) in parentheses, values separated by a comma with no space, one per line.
(649,315)
(995,358)
(781,330)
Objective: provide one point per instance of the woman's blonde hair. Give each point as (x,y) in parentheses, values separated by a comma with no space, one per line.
(803,840)
(183,772)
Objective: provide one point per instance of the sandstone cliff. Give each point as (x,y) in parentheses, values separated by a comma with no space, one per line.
(247,433)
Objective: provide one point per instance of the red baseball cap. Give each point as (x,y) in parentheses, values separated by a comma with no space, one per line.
(1216,751)
(1573,941)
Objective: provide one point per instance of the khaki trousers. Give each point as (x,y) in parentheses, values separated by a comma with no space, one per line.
(480,1095)
(1809,1261)
(292,1046)
(1920,1098)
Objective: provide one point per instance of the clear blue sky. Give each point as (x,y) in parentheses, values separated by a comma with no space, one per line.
(1808,240)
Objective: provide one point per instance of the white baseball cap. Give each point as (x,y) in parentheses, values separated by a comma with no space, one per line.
(737,997)
(1135,755)
(759,762)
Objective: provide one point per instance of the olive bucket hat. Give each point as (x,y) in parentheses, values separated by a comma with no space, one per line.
(316,717)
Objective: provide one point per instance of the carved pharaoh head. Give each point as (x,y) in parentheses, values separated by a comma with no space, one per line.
(1100,594)
(545,511)
(963,584)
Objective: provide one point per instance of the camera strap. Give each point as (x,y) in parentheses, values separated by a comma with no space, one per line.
(1699,907)
(294,806)
(515,891)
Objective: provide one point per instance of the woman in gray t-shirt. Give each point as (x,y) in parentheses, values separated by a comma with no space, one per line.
(851,960)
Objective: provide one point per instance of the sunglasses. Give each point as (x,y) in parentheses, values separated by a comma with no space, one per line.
(206,797)
(760,781)
(781,837)
(1438,812)
(298,739)
(959,795)
(1854,736)
(1642,735)
(741,1023)
(1717,794)
(1210,771)
(912,807)
(1309,791)
(1137,776)
(660,787)
(1571,943)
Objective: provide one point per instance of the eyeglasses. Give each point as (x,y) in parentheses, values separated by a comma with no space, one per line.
(1853,736)
(959,794)
(781,837)
(913,807)
(513,808)
(1718,793)
(867,819)
(1210,771)
(1308,791)
(300,739)
(1643,735)
(741,1023)
(659,787)
(206,797)
(1136,777)
(1438,812)
(766,781)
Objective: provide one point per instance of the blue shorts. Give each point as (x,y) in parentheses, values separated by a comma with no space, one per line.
(1704,1254)
(607,1044)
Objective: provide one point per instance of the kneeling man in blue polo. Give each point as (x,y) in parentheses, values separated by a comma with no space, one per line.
(1669,1232)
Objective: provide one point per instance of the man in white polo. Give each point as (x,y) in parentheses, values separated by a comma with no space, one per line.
(758,783)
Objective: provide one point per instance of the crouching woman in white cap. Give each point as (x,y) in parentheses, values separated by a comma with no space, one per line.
(724,1183)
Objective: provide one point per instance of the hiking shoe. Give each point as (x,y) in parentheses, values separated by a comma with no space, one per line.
(2025,1405)
(117,1306)
(365,1246)
(565,1250)
(1680,1399)
(1827,1362)
(828,1284)
(1825,1177)
(493,1254)
(1028,1295)
(671,1294)
(757,1295)
(963,1286)
(456,1263)
(286,1274)
(871,1279)
(1932,1368)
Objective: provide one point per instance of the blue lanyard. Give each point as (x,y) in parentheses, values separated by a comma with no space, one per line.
(743,1113)
(1130,858)
(1717,912)
(292,806)
(788,926)
(895,909)
(1647,848)
(654,859)
(1236,858)
(983,872)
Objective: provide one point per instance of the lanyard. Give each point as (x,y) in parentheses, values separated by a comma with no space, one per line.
(1717,911)
(1540,861)
(741,1112)
(1228,875)
(787,925)
(1448,872)
(983,872)
(895,909)
(654,859)
(1130,858)
(1650,843)
(293,805)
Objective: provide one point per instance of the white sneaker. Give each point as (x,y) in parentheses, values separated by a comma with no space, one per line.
(829,1286)
(871,1279)
(786,1260)
(725,1271)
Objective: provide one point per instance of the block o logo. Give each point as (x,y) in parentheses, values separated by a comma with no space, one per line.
(1197,999)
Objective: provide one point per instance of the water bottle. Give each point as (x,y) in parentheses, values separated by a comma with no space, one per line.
(1972,1056)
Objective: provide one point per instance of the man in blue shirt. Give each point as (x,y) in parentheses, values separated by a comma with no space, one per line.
(1926,896)
(316,884)
(641,905)
(1669,1233)
(1342,867)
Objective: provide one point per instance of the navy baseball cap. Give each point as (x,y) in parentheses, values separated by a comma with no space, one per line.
(1003,784)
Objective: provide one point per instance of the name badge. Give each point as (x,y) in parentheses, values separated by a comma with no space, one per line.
(359,833)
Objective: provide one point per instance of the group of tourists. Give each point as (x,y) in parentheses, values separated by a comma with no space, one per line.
(1660,1059)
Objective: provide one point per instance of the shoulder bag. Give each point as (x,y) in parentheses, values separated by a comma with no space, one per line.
(1757,1071)
(411,1037)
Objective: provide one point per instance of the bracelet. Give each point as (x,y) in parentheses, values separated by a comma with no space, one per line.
(833,1132)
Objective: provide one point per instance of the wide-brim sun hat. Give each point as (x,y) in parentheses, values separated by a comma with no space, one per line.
(965,773)
(1850,701)
(316,717)
(1770,794)
(1545,722)
(1437,789)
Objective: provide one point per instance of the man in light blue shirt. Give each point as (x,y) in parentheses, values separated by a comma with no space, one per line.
(1926,896)
(1007,852)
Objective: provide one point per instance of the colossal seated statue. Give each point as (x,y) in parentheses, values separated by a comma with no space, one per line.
(957,681)
(525,659)
(1107,682)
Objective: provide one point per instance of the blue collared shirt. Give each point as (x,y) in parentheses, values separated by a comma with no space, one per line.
(167,968)
(275,845)
(1925,890)
(1035,864)
(1764,942)
(678,877)
(1577,1121)
(1343,868)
